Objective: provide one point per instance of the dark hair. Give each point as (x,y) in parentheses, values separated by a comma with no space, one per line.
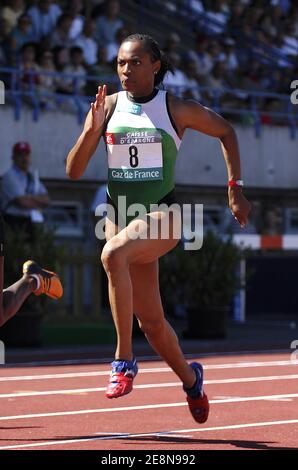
(152,47)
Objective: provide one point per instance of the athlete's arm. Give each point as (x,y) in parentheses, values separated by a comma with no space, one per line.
(192,115)
(80,154)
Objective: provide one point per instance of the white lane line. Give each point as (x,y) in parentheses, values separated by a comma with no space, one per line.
(179,432)
(144,407)
(144,386)
(146,358)
(70,375)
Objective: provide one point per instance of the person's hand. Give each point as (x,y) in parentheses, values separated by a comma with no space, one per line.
(239,205)
(97,110)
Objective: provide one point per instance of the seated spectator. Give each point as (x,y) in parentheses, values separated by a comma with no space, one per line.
(217,18)
(27,64)
(61,34)
(202,59)
(176,80)
(172,42)
(104,73)
(77,69)
(74,9)
(22,34)
(290,41)
(230,55)
(191,83)
(281,50)
(44,18)
(47,83)
(61,61)
(217,77)
(87,43)
(113,47)
(215,52)
(235,21)
(219,82)
(109,23)
(11,13)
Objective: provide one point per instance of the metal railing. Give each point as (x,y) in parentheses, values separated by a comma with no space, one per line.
(248,108)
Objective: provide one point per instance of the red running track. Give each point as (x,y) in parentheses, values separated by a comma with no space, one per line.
(254,405)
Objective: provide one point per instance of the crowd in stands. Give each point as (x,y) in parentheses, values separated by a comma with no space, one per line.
(238,44)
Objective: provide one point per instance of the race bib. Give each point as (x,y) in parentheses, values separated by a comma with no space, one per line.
(135,155)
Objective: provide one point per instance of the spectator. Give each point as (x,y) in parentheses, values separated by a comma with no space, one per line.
(44,18)
(22,34)
(77,69)
(23,195)
(11,13)
(61,34)
(217,18)
(113,47)
(87,43)
(61,61)
(290,41)
(235,21)
(74,10)
(29,67)
(175,80)
(104,72)
(109,23)
(172,43)
(191,83)
(229,54)
(47,83)
(201,58)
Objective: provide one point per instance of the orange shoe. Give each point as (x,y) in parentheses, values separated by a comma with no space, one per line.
(196,397)
(50,283)
(121,378)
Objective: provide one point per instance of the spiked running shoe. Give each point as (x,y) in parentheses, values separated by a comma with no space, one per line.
(196,397)
(121,378)
(50,283)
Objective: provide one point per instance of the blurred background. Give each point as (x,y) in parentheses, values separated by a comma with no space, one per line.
(238,57)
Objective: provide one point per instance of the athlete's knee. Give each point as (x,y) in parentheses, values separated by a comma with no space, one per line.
(152,327)
(112,257)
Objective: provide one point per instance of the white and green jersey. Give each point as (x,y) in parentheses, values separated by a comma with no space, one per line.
(142,146)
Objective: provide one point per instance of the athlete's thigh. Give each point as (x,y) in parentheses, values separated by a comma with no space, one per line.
(143,240)
(145,285)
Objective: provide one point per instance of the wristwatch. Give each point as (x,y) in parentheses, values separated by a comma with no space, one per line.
(236,183)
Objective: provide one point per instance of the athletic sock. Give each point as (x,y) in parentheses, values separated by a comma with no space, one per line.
(193,392)
(36,277)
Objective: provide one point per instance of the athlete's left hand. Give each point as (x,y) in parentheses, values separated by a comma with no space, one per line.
(239,205)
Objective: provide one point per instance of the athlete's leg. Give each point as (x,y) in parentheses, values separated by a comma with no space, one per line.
(118,254)
(12,298)
(148,309)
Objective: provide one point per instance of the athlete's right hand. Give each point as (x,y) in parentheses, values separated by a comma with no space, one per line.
(97,110)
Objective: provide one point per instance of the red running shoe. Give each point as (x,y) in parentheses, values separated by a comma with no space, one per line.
(196,397)
(121,378)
